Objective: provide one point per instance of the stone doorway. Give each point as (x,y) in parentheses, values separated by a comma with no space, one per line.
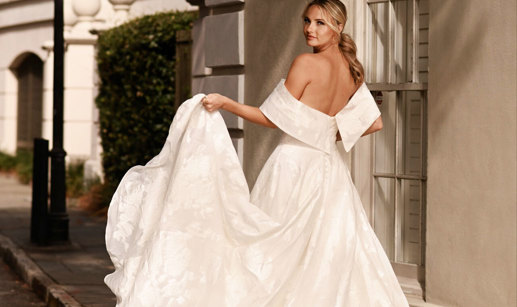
(30,101)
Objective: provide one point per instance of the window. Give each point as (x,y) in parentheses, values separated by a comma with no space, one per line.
(396,72)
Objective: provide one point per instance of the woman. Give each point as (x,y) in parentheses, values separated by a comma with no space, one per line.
(184,230)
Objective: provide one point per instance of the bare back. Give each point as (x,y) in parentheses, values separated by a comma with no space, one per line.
(328,82)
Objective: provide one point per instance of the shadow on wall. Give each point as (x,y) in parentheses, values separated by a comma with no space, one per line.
(471,154)
(273,38)
(452,57)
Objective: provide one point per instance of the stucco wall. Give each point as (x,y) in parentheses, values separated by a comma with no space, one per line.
(273,37)
(471,199)
(23,29)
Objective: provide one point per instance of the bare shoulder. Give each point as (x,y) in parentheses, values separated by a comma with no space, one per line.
(308,62)
(303,68)
(305,59)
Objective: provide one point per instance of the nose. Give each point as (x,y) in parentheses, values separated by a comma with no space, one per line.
(309,28)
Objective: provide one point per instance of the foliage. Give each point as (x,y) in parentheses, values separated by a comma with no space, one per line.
(24,165)
(136,94)
(97,198)
(75,184)
(7,162)
(21,164)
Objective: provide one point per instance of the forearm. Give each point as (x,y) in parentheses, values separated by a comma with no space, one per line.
(252,114)
(369,131)
(376,126)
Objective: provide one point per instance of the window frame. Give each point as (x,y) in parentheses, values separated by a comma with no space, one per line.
(414,271)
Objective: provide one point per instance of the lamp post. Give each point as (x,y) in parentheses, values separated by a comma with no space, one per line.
(58,219)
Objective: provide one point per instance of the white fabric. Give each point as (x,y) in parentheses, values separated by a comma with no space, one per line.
(184,230)
(292,116)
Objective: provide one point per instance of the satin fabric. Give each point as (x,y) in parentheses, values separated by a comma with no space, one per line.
(183,230)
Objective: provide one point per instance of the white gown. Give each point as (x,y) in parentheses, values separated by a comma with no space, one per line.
(183,230)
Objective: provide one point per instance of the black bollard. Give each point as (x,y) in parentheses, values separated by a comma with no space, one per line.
(39,212)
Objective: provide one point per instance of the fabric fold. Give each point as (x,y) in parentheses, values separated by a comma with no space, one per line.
(184,230)
(292,116)
(357,116)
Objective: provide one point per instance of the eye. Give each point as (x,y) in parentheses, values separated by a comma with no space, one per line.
(321,23)
(306,20)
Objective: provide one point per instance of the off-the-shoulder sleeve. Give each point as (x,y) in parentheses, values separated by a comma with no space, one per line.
(358,115)
(297,119)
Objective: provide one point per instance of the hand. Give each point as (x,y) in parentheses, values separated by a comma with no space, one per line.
(213,102)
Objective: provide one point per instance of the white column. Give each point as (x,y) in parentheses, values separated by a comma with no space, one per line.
(121,8)
(70,19)
(48,91)
(8,110)
(85,10)
(80,131)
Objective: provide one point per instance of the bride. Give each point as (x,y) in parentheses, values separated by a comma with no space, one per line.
(183,230)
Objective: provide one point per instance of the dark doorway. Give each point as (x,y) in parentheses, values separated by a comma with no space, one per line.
(30,101)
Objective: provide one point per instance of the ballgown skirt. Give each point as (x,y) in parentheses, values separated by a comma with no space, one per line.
(184,230)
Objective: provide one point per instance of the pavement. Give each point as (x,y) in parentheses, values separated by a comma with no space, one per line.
(15,292)
(61,275)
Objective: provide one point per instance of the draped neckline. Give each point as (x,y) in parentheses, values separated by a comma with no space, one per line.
(354,95)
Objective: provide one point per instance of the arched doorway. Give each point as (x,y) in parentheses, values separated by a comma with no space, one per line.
(30,100)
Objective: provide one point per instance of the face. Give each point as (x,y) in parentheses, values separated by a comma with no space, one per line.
(315,27)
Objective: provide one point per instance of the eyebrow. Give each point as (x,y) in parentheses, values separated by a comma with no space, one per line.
(317,19)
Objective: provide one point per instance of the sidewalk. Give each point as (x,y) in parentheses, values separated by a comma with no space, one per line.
(63,275)
(67,275)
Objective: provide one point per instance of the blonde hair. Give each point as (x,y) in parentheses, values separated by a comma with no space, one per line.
(336,10)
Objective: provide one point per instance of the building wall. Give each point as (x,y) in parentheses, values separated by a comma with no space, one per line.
(23,29)
(471,201)
(26,26)
(218,57)
(273,36)
(146,7)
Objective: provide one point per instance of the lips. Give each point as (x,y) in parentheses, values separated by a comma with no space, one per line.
(311,37)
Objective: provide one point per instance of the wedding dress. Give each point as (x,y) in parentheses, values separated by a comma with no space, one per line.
(183,230)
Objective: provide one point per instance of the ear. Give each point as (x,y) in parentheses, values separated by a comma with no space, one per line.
(340,27)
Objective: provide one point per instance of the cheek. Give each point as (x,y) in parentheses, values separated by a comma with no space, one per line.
(330,32)
(326,32)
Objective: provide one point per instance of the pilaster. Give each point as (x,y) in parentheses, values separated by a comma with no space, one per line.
(218,57)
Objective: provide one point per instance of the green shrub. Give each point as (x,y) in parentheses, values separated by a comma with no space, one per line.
(136,94)
(75,185)
(21,164)
(7,162)
(24,165)
(97,197)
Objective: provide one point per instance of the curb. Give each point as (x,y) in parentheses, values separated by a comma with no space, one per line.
(52,293)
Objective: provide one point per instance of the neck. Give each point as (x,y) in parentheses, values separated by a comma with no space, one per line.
(330,48)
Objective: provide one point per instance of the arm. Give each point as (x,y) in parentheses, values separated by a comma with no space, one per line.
(213,102)
(295,83)
(376,126)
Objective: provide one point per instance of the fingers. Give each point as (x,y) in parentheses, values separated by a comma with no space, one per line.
(205,103)
(208,103)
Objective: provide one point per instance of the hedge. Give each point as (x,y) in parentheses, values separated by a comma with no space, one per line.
(135,63)
(21,164)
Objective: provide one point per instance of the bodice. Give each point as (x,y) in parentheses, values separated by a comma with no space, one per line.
(316,128)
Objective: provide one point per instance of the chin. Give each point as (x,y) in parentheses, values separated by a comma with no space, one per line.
(310,44)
